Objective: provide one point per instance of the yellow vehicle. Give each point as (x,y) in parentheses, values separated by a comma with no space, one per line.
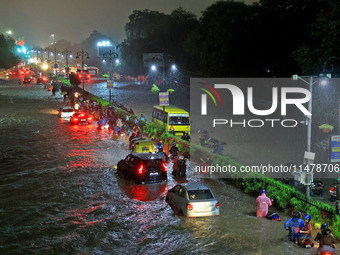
(176,120)
(142,145)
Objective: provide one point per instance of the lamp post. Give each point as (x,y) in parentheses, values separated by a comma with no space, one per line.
(310,81)
(111,56)
(55,51)
(162,57)
(67,53)
(82,54)
(48,54)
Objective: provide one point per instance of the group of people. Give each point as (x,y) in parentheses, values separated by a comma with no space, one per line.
(299,229)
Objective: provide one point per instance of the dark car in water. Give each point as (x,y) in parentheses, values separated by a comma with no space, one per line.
(143,168)
(27,80)
(81,118)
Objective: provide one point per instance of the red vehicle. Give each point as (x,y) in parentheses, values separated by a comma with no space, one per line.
(84,74)
(81,118)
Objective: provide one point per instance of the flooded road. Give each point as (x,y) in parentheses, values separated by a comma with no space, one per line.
(60,194)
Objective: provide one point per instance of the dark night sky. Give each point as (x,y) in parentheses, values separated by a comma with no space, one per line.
(74,20)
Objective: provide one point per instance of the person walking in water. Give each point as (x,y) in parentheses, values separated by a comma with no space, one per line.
(262,204)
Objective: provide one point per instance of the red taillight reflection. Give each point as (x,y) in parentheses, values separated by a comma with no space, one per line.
(164,166)
(217,205)
(190,207)
(140,170)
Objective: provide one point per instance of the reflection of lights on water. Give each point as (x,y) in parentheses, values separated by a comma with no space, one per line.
(49,111)
(81,215)
(147,192)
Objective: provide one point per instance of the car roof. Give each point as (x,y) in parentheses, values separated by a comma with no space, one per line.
(194,186)
(67,107)
(146,156)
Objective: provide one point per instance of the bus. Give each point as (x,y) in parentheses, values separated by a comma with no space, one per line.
(174,118)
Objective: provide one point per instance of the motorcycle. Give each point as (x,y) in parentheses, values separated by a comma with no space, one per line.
(303,241)
(181,168)
(273,216)
(326,250)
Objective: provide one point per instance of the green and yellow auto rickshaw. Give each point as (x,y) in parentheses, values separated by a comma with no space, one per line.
(142,145)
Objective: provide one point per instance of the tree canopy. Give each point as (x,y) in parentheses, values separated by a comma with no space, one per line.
(267,38)
(7,56)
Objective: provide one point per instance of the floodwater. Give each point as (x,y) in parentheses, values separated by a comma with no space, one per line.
(60,194)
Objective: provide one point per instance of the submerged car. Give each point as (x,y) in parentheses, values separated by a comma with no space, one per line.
(66,112)
(81,118)
(143,168)
(192,200)
(41,80)
(27,80)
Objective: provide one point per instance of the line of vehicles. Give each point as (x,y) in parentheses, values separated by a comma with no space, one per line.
(144,166)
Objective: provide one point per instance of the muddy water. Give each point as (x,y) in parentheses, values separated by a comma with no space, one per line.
(60,194)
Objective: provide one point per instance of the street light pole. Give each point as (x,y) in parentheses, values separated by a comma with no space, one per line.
(82,54)
(67,53)
(310,82)
(48,54)
(111,56)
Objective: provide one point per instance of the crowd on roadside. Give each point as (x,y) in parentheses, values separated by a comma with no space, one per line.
(108,116)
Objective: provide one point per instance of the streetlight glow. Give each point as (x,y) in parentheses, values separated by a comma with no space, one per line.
(153,68)
(117,61)
(45,66)
(173,67)
(324,82)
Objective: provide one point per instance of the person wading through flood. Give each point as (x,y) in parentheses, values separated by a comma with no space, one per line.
(262,204)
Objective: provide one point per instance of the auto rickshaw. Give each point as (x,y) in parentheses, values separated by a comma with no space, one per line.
(142,145)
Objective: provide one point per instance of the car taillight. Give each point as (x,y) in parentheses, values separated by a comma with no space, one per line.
(164,166)
(87,76)
(82,115)
(89,118)
(190,207)
(140,170)
(217,205)
(75,119)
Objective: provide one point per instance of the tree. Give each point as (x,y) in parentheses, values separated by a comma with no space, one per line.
(7,57)
(154,32)
(74,79)
(322,42)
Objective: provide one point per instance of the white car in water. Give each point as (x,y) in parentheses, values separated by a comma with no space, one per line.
(192,200)
(66,112)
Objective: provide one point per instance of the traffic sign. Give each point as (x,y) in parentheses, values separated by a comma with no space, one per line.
(163,98)
(335,148)
(109,84)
